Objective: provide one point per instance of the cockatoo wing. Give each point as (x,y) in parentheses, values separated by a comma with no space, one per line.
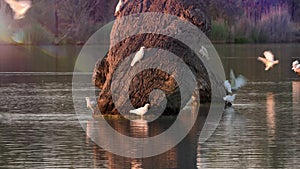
(269,56)
(265,61)
(19,7)
(240,81)
(227,86)
(232,78)
(25,7)
(13,5)
(232,75)
(296,62)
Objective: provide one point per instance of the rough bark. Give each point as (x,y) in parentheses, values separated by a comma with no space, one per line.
(148,80)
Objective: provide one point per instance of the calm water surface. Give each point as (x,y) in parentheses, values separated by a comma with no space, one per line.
(39,127)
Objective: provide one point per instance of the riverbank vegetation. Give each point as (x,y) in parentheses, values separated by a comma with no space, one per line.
(55,22)
(74,21)
(254,21)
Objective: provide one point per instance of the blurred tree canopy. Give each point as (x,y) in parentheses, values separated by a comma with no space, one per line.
(231,10)
(255,20)
(74,21)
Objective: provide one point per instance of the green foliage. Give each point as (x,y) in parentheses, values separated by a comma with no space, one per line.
(242,39)
(219,31)
(272,27)
(254,21)
(36,34)
(277,26)
(239,21)
(5,22)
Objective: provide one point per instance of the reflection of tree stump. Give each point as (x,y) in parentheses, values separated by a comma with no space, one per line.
(183,155)
(148,80)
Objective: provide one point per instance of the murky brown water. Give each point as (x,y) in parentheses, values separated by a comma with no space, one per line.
(39,128)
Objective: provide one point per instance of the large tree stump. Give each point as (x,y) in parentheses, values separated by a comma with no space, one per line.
(143,83)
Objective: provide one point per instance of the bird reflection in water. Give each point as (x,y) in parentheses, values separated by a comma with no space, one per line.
(139,128)
(136,164)
(231,122)
(192,106)
(271,115)
(296,93)
(88,132)
(186,150)
(296,102)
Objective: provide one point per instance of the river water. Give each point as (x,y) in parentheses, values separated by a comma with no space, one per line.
(39,127)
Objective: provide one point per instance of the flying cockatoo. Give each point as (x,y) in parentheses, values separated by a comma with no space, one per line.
(269,60)
(141,111)
(138,56)
(238,82)
(90,104)
(19,7)
(235,83)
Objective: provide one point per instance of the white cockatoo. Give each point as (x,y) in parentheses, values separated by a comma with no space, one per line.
(235,83)
(296,67)
(141,111)
(119,6)
(269,60)
(138,56)
(91,104)
(229,98)
(19,7)
(295,64)
(203,51)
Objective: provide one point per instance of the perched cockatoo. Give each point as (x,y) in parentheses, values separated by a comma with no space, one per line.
(91,104)
(295,64)
(229,99)
(119,6)
(296,67)
(269,60)
(138,56)
(203,52)
(141,111)
(19,7)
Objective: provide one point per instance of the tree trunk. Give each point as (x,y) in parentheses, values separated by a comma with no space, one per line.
(146,81)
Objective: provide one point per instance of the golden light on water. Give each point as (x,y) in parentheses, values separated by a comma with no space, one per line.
(296,102)
(270,111)
(296,93)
